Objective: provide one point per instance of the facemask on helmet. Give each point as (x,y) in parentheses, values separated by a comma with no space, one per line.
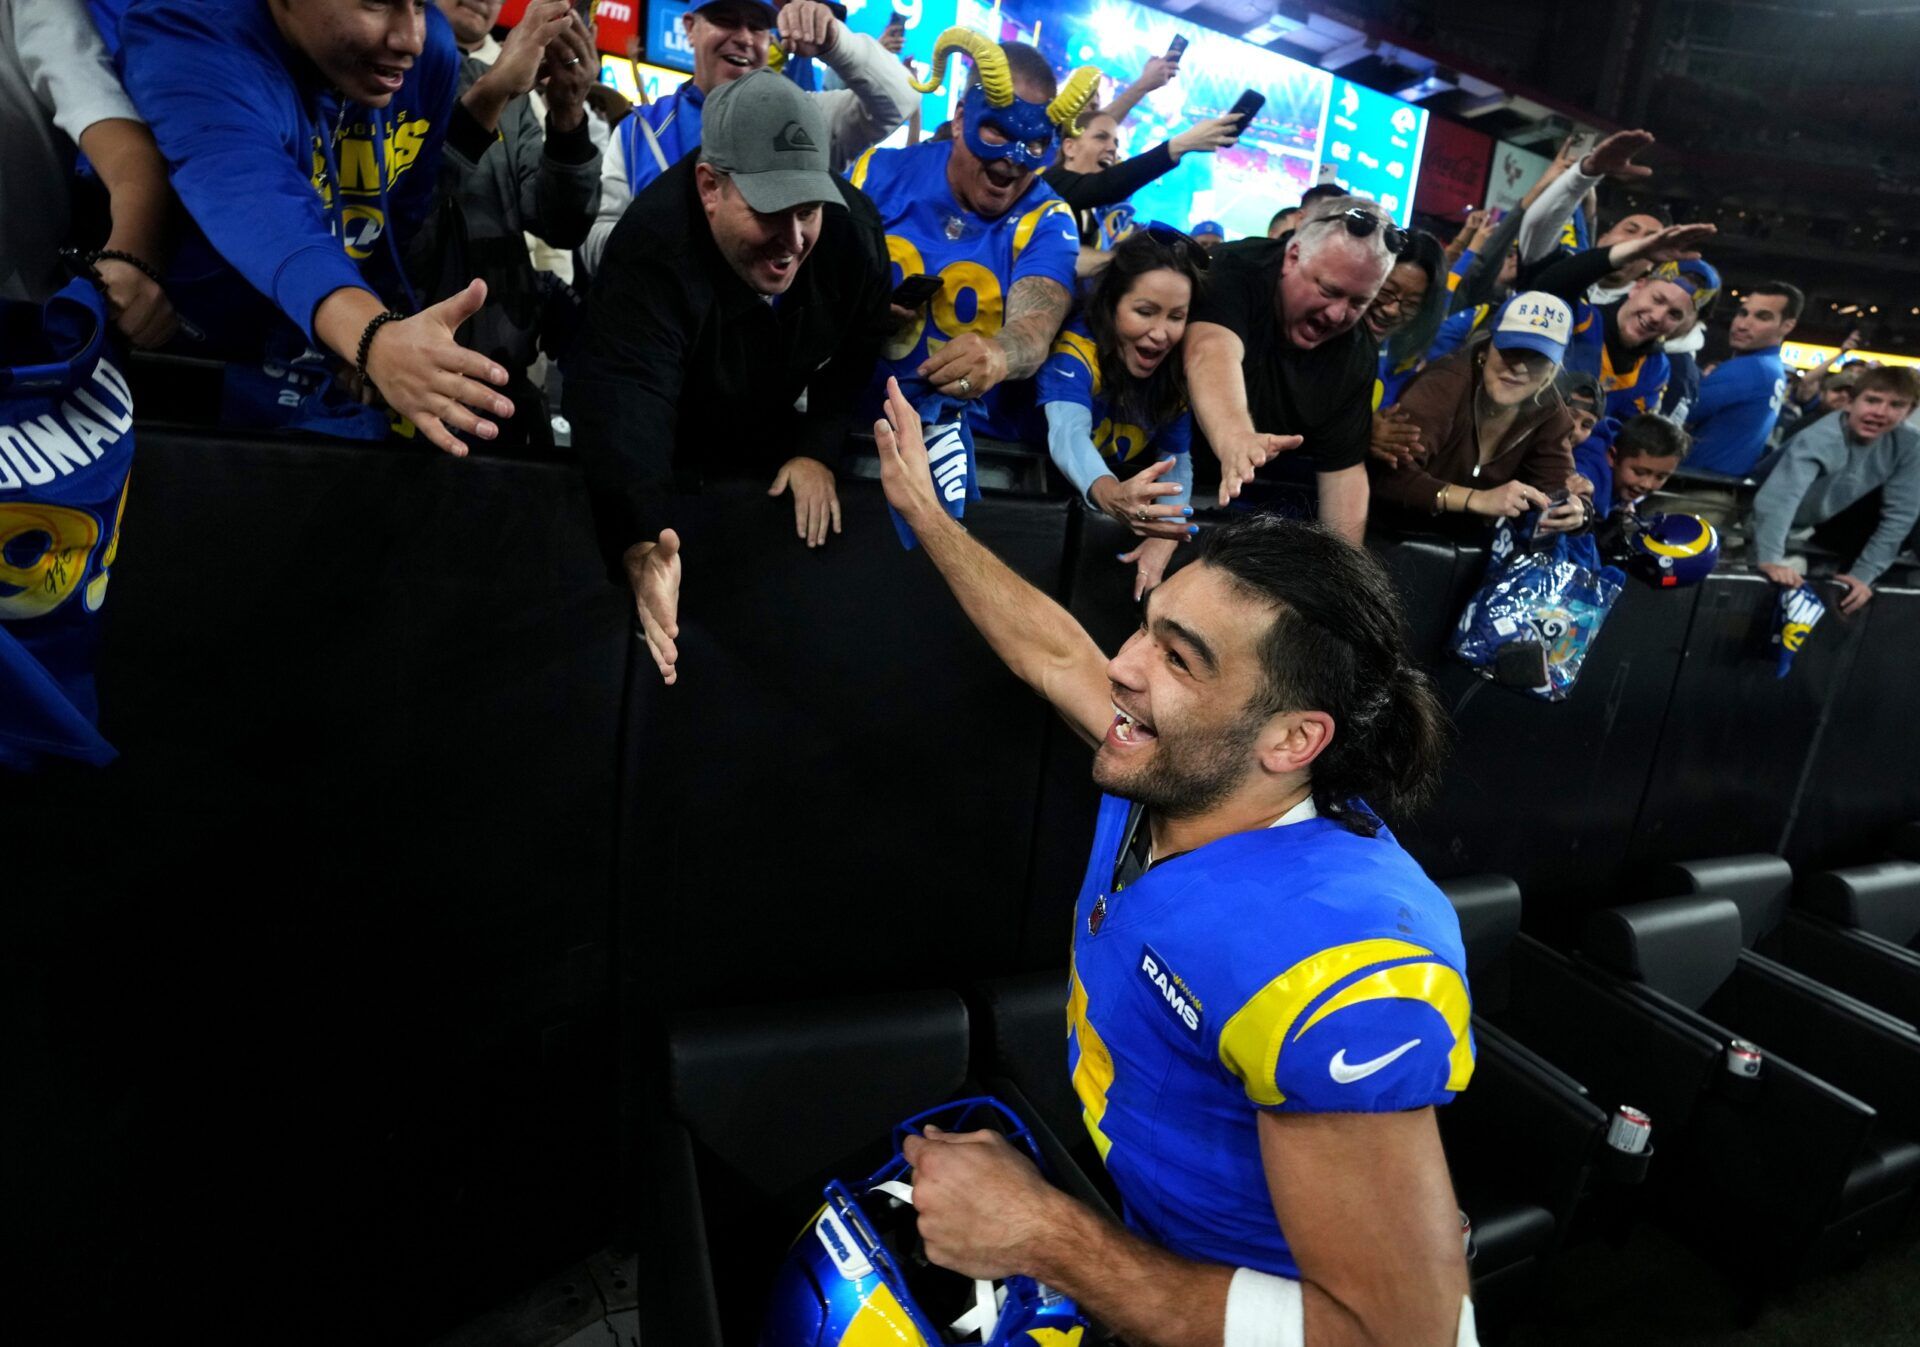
(857,1272)
(993,103)
(1670,550)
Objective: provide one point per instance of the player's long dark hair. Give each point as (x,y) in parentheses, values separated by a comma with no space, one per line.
(1338,645)
(1155,400)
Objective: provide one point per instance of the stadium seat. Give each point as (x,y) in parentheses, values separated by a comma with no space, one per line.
(764,1105)
(1791,1167)
(1522,1138)
(1852,942)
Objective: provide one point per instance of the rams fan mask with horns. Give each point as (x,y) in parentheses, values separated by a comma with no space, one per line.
(1031,129)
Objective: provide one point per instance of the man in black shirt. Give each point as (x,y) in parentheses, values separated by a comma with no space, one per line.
(1277,358)
(743,276)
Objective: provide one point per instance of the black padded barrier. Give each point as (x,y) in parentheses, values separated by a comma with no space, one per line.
(1862,781)
(1547,792)
(1734,748)
(310,985)
(838,793)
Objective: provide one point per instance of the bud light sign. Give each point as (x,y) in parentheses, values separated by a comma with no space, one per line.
(667,43)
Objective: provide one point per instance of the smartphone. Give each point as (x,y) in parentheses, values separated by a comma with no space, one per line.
(1174,48)
(1247,106)
(916,290)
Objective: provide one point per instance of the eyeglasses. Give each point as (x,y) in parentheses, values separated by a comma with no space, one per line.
(1360,223)
(1168,237)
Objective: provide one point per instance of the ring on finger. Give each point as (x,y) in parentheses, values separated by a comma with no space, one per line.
(965,385)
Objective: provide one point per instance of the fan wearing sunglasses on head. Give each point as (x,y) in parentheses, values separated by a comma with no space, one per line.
(1277,358)
(1115,394)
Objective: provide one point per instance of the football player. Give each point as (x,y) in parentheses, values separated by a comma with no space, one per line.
(1267,996)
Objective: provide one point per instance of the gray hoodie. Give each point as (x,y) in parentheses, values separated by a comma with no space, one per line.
(1823,471)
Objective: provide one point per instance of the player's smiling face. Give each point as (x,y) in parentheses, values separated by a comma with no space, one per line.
(1184,732)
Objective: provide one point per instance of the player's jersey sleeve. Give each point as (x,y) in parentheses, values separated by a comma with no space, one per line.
(1371,1026)
(1072,369)
(1045,242)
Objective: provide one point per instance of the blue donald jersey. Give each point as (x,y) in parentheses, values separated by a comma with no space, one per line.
(979,261)
(1302,968)
(1735,411)
(66,446)
(1072,374)
(1629,391)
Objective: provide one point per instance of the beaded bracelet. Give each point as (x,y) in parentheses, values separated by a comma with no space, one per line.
(380,320)
(90,263)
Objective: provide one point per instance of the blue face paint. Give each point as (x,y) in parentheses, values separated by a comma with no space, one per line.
(1021,122)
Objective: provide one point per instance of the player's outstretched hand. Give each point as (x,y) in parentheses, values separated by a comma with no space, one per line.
(653,572)
(434,381)
(982,1208)
(1245,455)
(905,474)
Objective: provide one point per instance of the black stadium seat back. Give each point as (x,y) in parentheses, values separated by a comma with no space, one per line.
(1881,899)
(1760,885)
(1020,1032)
(780,1094)
(1683,948)
(1488,907)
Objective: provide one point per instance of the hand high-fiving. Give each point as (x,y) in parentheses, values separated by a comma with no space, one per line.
(653,573)
(1245,455)
(905,474)
(1675,243)
(432,380)
(1613,157)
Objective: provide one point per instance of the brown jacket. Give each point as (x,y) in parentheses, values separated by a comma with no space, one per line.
(1440,402)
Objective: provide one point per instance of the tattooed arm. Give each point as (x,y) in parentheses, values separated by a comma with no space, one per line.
(971,364)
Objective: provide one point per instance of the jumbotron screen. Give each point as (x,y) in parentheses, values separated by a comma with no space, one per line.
(1369,141)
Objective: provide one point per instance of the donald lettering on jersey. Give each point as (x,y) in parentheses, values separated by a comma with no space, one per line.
(35,451)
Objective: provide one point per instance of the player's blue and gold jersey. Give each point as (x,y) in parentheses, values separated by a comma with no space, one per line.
(1302,968)
(1629,391)
(1072,374)
(979,260)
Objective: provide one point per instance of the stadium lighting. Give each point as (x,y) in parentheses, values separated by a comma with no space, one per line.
(1269,28)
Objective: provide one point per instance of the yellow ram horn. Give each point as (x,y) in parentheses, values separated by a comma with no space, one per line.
(996,80)
(776,56)
(1073,98)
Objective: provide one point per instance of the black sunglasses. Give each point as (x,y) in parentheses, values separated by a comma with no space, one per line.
(1361,223)
(1168,237)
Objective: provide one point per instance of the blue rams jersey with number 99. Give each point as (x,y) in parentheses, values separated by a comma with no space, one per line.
(1302,969)
(978,260)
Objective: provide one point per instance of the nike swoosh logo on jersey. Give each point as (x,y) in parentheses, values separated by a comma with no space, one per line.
(1347,1075)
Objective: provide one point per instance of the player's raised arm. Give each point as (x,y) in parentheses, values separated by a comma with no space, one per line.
(1037,638)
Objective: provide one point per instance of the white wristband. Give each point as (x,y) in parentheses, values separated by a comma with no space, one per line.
(1264,1311)
(1268,1311)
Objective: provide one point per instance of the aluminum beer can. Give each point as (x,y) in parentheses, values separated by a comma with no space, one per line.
(1743,1058)
(1629,1130)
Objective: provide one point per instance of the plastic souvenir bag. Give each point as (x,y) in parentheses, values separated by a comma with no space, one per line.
(1538,610)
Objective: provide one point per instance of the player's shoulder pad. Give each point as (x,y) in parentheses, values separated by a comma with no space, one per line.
(1364,1026)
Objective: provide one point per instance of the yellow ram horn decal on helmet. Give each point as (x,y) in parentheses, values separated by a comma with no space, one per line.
(1073,98)
(996,79)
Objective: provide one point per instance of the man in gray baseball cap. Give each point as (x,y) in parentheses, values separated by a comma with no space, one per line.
(744,275)
(763,176)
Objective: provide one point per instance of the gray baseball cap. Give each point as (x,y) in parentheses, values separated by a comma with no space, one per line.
(769,137)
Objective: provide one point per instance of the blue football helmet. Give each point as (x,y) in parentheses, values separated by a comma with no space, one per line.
(1670,550)
(856,1274)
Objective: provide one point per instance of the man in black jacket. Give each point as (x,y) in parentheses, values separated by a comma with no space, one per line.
(742,277)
